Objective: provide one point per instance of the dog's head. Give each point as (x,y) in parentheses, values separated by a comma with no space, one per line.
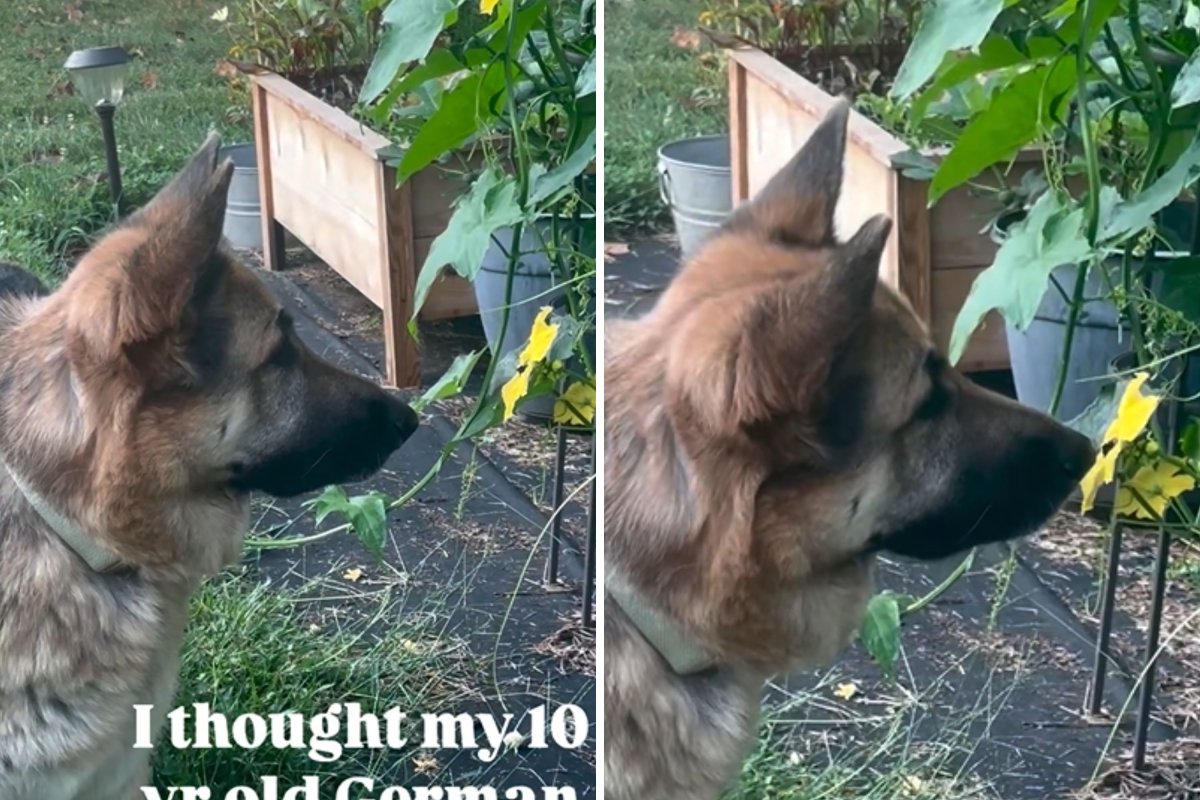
(163,375)
(781,416)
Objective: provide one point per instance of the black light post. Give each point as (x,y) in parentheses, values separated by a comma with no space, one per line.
(98,74)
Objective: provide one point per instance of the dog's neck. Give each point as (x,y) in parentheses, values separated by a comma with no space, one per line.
(684,655)
(97,557)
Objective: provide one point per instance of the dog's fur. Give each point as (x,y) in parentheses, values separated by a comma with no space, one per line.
(777,419)
(145,400)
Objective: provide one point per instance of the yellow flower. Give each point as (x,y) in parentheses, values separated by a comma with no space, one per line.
(707,18)
(541,338)
(1102,472)
(577,406)
(1156,485)
(512,391)
(488,6)
(1133,414)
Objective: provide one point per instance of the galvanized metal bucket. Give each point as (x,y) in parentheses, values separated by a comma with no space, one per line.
(694,181)
(243,213)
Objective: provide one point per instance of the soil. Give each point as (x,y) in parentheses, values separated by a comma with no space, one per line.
(472,539)
(995,672)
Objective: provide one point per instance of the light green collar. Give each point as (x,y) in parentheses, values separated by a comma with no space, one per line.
(664,635)
(94,555)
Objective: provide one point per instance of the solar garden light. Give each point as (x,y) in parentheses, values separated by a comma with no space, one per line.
(99,77)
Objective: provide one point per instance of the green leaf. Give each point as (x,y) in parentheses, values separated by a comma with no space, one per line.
(410,29)
(491,415)
(1093,421)
(1186,89)
(1180,287)
(333,499)
(367,515)
(465,109)
(1189,440)
(914,164)
(439,64)
(947,25)
(1134,215)
(880,631)
(585,83)
(545,185)
(995,52)
(1050,236)
(1011,121)
(489,204)
(452,382)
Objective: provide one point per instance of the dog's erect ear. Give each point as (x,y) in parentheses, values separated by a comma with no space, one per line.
(769,355)
(145,272)
(797,205)
(187,215)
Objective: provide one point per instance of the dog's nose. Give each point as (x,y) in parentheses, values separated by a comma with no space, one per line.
(394,415)
(406,420)
(1075,453)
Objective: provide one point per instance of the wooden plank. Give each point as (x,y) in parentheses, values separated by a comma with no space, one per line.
(737,132)
(806,96)
(334,120)
(399,267)
(776,129)
(273,255)
(912,237)
(345,242)
(312,159)
(988,349)
(433,194)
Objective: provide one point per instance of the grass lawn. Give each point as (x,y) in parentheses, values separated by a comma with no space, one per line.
(253,646)
(655,91)
(53,191)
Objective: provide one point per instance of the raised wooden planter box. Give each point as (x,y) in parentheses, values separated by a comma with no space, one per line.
(321,177)
(934,253)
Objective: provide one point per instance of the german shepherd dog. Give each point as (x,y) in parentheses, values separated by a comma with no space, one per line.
(778,419)
(140,405)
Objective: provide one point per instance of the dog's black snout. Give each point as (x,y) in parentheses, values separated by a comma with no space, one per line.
(394,415)
(1075,453)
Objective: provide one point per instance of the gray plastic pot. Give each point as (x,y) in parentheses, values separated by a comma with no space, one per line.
(243,213)
(534,285)
(1034,354)
(694,180)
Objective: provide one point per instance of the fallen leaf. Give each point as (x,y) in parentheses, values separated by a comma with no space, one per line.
(913,785)
(426,765)
(685,38)
(846,691)
(75,14)
(614,249)
(221,14)
(353,575)
(225,69)
(150,80)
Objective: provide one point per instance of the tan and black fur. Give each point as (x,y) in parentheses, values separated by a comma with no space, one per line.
(778,419)
(145,400)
